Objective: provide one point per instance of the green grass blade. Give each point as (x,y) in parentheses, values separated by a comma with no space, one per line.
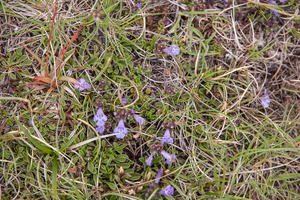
(54,175)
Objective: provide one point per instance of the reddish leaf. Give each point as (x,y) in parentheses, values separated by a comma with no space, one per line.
(69,79)
(44,79)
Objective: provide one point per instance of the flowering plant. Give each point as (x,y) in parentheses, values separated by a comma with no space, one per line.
(265,100)
(157,147)
(82,85)
(169,190)
(122,115)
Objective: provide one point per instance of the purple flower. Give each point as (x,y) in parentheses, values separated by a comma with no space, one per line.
(170,162)
(100,116)
(158,175)
(274,3)
(282,1)
(101,127)
(124,100)
(149,160)
(121,130)
(166,21)
(173,50)
(265,100)
(69,72)
(139,119)
(170,158)
(84,85)
(166,85)
(169,190)
(138,5)
(167,137)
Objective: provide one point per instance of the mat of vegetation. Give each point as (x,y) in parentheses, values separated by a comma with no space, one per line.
(169,99)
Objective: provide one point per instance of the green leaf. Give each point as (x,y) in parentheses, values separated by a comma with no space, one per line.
(37,144)
(19,52)
(12,76)
(285,177)
(61,113)
(2,76)
(54,175)
(110,70)
(69,53)
(121,158)
(120,147)
(130,64)
(110,170)
(159,104)
(90,167)
(153,194)
(129,171)
(49,115)
(116,71)
(111,185)
(70,141)
(134,177)
(124,165)
(22,58)
(92,61)
(26,62)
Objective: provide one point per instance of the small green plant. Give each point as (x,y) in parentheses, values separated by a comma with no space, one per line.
(13,63)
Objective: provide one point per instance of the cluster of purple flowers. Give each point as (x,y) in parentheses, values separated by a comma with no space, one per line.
(173,50)
(169,90)
(157,147)
(169,190)
(121,130)
(100,118)
(136,6)
(84,85)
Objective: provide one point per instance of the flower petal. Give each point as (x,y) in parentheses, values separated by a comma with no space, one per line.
(166,155)
(158,175)
(171,161)
(265,100)
(139,119)
(100,129)
(124,100)
(84,85)
(149,160)
(173,50)
(274,3)
(121,130)
(169,190)
(100,116)
(167,137)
